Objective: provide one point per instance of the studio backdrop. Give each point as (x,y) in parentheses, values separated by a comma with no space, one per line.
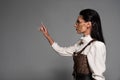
(25,54)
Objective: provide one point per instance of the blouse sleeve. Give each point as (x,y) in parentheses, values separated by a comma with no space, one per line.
(96,59)
(64,51)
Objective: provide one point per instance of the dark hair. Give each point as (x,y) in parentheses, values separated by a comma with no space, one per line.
(94,18)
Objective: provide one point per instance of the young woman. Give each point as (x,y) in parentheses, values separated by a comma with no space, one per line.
(89,53)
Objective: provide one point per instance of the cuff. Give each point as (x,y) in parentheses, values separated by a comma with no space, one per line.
(54,45)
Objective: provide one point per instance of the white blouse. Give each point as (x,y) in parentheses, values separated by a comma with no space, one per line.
(96,54)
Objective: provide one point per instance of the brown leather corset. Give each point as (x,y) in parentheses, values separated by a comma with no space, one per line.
(81,62)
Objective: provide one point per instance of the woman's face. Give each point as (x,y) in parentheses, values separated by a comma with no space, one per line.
(80,25)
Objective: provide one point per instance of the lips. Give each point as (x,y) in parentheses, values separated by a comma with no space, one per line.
(76,28)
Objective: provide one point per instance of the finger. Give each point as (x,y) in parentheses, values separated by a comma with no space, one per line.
(41,28)
(45,29)
(42,24)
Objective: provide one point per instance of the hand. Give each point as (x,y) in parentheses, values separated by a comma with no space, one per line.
(44,30)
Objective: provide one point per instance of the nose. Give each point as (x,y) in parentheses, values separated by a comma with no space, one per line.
(75,25)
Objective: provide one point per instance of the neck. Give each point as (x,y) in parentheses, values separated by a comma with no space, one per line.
(86,33)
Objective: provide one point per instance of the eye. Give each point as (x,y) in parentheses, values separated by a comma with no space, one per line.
(77,21)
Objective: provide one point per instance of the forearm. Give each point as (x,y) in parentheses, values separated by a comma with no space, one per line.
(50,40)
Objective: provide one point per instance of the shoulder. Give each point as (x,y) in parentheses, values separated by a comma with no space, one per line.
(98,47)
(98,44)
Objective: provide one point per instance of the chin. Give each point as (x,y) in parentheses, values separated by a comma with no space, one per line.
(78,32)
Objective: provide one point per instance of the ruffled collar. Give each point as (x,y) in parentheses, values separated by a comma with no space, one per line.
(86,38)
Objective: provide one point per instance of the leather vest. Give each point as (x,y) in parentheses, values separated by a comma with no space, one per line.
(81,62)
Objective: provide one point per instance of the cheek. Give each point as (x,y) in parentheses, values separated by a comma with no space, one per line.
(82,27)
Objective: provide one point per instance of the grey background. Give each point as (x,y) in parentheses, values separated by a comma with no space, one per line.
(26,55)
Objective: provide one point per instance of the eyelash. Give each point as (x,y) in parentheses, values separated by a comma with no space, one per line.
(78,21)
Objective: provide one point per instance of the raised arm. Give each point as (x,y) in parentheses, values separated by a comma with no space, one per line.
(63,51)
(44,30)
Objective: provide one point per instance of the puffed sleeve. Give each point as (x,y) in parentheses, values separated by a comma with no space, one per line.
(64,51)
(96,60)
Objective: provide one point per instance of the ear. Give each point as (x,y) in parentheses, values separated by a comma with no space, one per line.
(89,24)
